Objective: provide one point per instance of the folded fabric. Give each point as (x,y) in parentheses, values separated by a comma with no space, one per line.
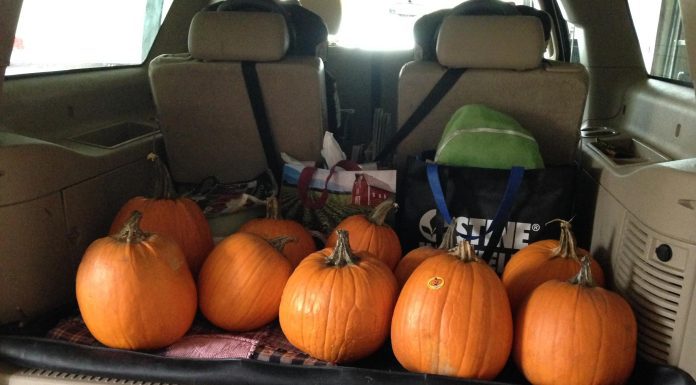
(212,346)
(205,341)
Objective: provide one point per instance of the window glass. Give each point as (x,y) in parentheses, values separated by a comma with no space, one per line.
(72,34)
(576,36)
(660,32)
(387,24)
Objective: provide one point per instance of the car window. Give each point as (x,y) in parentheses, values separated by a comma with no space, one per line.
(74,34)
(388,24)
(660,32)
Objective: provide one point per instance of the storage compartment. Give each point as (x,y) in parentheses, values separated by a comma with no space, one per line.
(597,132)
(116,135)
(627,151)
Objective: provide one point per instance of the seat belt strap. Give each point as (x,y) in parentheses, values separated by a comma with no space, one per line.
(439,90)
(253,87)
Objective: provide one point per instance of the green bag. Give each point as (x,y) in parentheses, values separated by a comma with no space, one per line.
(478,136)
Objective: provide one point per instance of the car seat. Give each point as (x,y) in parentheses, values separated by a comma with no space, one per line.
(206,115)
(501,46)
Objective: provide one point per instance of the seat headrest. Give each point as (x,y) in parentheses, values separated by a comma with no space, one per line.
(426,28)
(330,12)
(502,42)
(306,29)
(238,36)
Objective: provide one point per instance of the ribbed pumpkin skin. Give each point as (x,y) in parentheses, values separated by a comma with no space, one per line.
(412,260)
(535,264)
(338,314)
(241,282)
(379,240)
(180,219)
(136,295)
(296,250)
(574,335)
(462,329)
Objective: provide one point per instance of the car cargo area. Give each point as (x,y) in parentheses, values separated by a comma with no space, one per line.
(473,132)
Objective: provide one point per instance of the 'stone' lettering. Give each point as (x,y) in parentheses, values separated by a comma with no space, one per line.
(515,234)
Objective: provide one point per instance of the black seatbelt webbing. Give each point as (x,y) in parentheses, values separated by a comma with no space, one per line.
(251,80)
(439,90)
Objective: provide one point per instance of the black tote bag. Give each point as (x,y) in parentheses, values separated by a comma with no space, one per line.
(473,197)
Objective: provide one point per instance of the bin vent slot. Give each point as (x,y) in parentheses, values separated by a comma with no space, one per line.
(46,373)
(653,290)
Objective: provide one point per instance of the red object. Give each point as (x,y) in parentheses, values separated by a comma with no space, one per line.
(360,196)
(365,194)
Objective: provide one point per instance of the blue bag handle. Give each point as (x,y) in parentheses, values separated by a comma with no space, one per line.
(438,195)
(502,214)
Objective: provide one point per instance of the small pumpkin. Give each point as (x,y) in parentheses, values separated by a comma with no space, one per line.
(372,234)
(274,226)
(415,257)
(337,305)
(453,318)
(178,218)
(545,260)
(241,282)
(134,289)
(575,333)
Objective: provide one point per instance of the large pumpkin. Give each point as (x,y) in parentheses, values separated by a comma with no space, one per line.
(241,282)
(574,333)
(178,218)
(134,289)
(453,318)
(415,257)
(302,243)
(371,234)
(337,305)
(545,260)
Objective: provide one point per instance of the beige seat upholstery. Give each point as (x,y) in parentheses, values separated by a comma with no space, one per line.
(503,56)
(204,110)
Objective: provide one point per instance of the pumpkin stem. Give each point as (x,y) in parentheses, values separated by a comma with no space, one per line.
(584,277)
(342,254)
(164,186)
(449,239)
(272,210)
(131,231)
(379,214)
(566,243)
(464,251)
(280,242)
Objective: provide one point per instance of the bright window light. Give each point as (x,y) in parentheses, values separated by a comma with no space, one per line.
(71,34)
(387,25)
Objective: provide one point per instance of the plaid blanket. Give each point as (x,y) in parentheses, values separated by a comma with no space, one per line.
(206,341)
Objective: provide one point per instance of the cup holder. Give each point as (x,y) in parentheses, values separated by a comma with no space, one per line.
(628,151)
(597,132)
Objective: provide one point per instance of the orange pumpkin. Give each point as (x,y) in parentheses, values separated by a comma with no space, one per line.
(134,289)
(415,257)
(371,234)
(453,318)
(337,305)
(545,260)
(273,226)
(574,333)
(178,218)
(241,282)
